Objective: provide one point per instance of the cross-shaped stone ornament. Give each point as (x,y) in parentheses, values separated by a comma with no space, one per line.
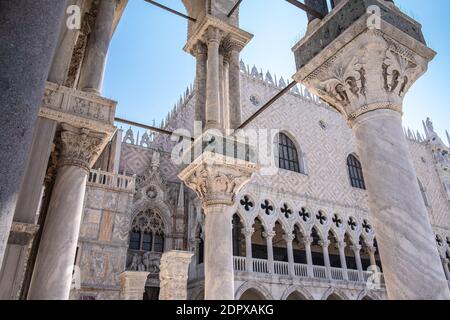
(352,223)
(337,221)
(267,207)
(286,211)
(247,203)
(321,217)
(304,214)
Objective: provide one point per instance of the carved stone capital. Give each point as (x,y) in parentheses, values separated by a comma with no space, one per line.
(325,243)
(341,245)
(80,147)
(289,237)
(308,241)
(363,69)
(213,35)
(248,232)
(269,234)
(216,179)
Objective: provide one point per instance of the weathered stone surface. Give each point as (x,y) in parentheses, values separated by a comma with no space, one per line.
(28,32)
(174,275)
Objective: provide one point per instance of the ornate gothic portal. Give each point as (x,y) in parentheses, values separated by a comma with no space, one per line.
(343,203)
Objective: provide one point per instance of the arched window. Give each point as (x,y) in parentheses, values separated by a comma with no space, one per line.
(147,232)
(288,158)
(355,172)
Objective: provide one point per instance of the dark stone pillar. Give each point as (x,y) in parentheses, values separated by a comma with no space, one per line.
(28,35)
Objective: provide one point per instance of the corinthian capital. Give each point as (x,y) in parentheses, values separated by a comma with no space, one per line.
(80,147)
(216,179)
(362,68)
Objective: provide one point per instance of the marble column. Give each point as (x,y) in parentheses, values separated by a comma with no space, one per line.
(200,83)
(30,28)
(269,237)
(326,257)
(308,241)
(290,252)
(397,209)
(212,80)
(341,247)
(132,285)
(52,275)
(376,68)
(356,250)
(219,252)
(94,63)
(173,275)
(226,94)
(31,191)
(216,182)
(248,232)
(64,50)
(234,87)
(372,250)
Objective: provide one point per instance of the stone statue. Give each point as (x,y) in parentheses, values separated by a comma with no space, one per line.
(134,263)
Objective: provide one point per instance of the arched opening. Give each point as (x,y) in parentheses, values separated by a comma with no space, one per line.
(279,244)
(252,294)
(334,296)
(316,248)
(355,172)
(350,258)
(238,237)
(296,296)
(333,251)
(259,244)
(298,246)
(147,232)
(287,155)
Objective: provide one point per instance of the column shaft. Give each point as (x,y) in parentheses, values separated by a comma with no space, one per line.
(218,253)
(269,238)
(357,250)
(309,260)
(326,258)
(234,90)
(212,82)
(290,252)
(30,30)
(53,269)
(397,210)
(31,191)
(248,250)
(226,95)
(200,81)
(64,50)
(343,261)
(93,68)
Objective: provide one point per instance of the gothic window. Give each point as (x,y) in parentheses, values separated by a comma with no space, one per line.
(424,194)
(355,172)
(238,237)
(288,156)
(147,232)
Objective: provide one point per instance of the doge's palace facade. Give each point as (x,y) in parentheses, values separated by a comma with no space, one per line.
(104,212)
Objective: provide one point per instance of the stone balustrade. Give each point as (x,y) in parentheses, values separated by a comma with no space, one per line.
(301,271)
(111,180)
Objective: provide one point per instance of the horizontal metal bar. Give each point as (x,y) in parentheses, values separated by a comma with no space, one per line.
(234,8)
(151,128)
(306,8)
(171,10)
(268,104)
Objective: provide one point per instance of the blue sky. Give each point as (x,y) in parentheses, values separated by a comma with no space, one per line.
(147,69)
